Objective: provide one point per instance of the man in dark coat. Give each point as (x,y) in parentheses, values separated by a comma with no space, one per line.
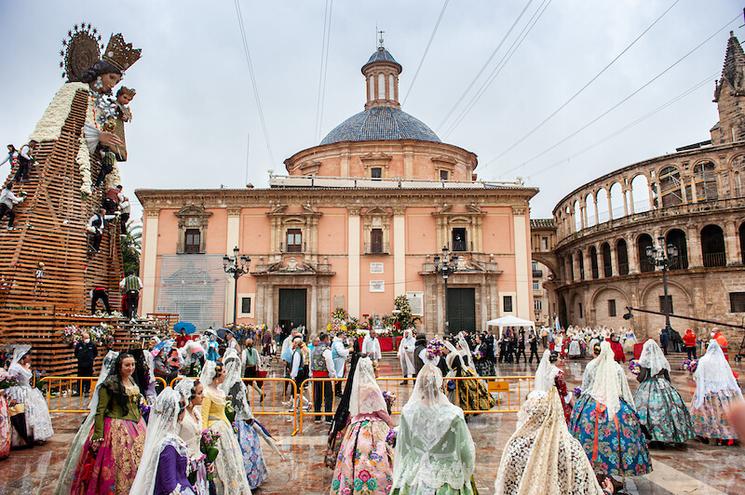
(85,353)
(420,344)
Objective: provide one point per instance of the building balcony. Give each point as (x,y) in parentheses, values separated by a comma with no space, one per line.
(377,248)
(468,262)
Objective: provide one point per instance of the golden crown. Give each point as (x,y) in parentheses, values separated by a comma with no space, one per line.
(121,54)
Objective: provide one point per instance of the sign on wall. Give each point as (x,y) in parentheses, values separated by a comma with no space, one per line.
(377,286)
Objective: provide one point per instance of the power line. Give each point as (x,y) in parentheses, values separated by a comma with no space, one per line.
(486,64)
(516,43)
(628,126)
(323,66)
(626,98)
(592,80)
(257,97)
(426,50)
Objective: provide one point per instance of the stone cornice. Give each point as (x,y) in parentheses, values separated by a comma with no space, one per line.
(244,198)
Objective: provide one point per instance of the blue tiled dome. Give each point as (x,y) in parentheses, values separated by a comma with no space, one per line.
(379,124)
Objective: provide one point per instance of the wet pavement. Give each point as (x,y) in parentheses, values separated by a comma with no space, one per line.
(694,469)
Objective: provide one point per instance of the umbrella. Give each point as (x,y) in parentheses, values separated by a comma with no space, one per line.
(185,326)
(164,344)
(222,332)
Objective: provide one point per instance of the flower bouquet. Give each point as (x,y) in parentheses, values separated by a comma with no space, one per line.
(390,399)
(208,446)
(435,348)
(634,367)
(6,381)
(390,438)
(71,334)
(577,392)
(689,365)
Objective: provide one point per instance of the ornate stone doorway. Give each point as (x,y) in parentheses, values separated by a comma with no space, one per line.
(462,309)
(293,308)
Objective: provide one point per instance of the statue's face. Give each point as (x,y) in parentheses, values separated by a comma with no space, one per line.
(108,82)
(124,98)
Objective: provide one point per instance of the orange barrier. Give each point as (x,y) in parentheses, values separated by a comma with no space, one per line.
(268,398)
(63,393)
(509,392)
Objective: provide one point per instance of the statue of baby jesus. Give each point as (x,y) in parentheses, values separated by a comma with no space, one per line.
(123,114)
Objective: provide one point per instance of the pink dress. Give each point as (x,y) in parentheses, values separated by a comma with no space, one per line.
(364,465)
(4,427)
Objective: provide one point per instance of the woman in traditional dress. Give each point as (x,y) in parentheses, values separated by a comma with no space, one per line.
(165,458)
(243,421)
(470,394)
(74,457)
(341,416)
(113,450)
(605,422)
(542,457)
(716,391)
(661,409)
(190,431)
(549,376)
(229,459)
(435,453)
(575,350)
(5,428)
(364,465)
(483,355)
(33,424)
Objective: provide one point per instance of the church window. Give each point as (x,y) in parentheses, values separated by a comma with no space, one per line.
(376,241)
(294,240)
(444,175)
(737,302)
(192,241)
(376,173)
(459,239)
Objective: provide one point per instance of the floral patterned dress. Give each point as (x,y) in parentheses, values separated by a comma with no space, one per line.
(615,446)
(4,427)
(364,465)
(710,421)
(661,409)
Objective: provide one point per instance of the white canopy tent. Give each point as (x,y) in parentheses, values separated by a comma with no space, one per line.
(509,321)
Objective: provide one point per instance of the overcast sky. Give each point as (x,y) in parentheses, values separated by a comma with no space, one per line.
(195,106)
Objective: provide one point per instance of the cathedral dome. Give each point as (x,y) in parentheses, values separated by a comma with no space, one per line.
(382,119)
(381,123)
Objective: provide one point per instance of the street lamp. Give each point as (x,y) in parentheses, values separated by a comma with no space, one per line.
(663,257)
(236,266)
(446,264)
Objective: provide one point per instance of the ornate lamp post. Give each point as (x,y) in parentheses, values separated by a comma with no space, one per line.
(446,264)
(236,266)
(663,257)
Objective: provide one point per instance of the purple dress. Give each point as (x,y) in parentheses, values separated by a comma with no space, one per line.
(171,476)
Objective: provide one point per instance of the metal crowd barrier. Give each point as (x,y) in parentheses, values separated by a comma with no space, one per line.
(279,395)
(66,394)
(509,392)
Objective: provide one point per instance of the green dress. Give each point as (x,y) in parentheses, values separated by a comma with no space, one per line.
(440,459)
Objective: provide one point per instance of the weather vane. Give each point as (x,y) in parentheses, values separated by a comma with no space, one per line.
(380,39)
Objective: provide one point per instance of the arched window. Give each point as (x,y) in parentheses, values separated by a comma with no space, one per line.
(581,263)
(642,243)
(602,212)
(712,246)
(677,238)
(592,215)
(704,176)
(622,257)
(577,217)
(607,263)
(640,191)
(670,187)
(594,262)
(616,200)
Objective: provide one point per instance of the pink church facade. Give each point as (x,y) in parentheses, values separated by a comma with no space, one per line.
(355,222)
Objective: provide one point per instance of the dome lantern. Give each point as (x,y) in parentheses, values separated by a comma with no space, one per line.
(381,78)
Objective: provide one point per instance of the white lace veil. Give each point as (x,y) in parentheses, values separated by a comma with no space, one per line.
(232,363)
(162,429)
(452,354)
(465,352)
(208,373)
(653,358)
(714,375)
(64,481)
(366,396)
(18,352)
(610,382)
(185,387)
(428,411)
(546,373)
(542,457)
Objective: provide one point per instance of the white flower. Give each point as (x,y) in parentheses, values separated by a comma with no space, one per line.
(50,125)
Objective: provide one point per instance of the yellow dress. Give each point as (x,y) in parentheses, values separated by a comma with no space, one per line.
(230,475)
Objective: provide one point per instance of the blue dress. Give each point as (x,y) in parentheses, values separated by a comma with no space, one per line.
(616,445)
(253,458)
(661,409)
(212,348)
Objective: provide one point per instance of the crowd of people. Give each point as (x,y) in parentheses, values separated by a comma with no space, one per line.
(142,437)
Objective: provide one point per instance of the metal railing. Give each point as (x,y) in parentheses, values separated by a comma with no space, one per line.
(71,394)
(509,392)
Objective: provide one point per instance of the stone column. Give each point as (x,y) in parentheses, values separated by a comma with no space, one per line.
(610,206)
(625,201)
(693,241)
(631,200)
(613,265)
(313,324)
(149,262)
(731,244)
(694,193)
(599,256)
(588,263)
(523,278)
(651,189)
(633,255)
(399,252)
(353,262)
(583,218)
